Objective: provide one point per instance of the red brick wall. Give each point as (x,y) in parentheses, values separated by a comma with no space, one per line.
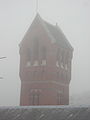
(48,93)
(42,80)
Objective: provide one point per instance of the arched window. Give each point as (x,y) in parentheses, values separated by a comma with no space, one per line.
(35,97)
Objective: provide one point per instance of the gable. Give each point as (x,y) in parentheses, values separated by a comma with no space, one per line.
(54,33)
(37,28)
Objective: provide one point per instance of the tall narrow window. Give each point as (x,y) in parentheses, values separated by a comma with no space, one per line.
(66,60)
(35,52)
(35,99)
(62,60)
(28,62)
(57,63)
(35,49)
(43,62)
(58,57)
(58,54)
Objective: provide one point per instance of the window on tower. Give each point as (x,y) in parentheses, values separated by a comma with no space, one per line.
(57,63)
(35,97)
(35,52)
(62,60)
(43,56)
(66,59)
(28,57)
(58,57)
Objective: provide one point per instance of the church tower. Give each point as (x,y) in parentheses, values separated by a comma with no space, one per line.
(45,65)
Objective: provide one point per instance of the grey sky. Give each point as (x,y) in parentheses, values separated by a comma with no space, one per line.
(73,17)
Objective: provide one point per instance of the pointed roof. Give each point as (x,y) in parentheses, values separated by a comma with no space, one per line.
(53,31)
(58,35)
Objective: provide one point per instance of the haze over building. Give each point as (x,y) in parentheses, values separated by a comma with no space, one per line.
(73,17)
(45,65)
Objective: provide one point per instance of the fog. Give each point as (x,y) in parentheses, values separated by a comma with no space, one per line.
(72,16)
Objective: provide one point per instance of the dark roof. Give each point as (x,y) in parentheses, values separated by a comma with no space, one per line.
(58,35)
(54,32)
(45,113)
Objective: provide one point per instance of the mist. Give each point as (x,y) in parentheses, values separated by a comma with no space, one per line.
(16,16)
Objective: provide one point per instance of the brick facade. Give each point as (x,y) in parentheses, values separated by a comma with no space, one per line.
(45,66)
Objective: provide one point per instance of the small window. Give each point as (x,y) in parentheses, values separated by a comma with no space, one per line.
(28,58)
(62,58)
(35,97)
(43,56)
(62,66)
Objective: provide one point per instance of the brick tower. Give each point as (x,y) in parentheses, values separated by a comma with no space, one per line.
(45,65)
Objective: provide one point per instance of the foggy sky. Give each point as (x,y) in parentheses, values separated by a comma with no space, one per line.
(72,16)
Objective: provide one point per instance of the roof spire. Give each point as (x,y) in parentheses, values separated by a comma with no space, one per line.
(36,6)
